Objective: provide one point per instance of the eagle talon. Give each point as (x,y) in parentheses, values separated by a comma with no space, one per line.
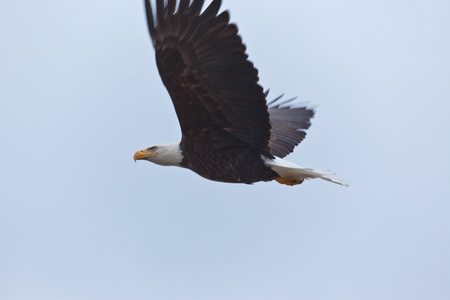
(290,182)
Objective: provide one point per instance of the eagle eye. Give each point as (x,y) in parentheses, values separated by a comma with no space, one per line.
(154,148)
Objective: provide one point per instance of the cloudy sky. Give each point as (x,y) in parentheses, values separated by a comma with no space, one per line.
(79,219)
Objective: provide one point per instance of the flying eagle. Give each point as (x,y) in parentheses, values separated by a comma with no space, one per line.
(229,132)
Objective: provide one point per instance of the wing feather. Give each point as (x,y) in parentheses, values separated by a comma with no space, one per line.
(288,125)
(183,7)
(213,86)
(196,7)
(170,9)
(150,22)
(160,12)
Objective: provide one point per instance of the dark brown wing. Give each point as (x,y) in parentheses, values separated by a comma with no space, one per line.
(287,124)
(214,88)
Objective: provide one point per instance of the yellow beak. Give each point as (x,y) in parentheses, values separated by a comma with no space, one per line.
(142,154)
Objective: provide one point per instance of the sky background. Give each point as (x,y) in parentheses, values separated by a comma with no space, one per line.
(79,219)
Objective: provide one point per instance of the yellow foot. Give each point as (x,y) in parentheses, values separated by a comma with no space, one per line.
(290,182)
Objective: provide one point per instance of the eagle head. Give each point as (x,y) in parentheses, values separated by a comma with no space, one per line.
(165,155)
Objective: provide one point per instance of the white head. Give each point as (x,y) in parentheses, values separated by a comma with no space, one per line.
(165,155)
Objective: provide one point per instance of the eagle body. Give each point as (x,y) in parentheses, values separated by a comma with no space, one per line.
(238,165)
(229,131)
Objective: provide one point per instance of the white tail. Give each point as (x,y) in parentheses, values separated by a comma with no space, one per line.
(290,171)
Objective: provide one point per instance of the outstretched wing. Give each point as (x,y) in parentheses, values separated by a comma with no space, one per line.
(213,86)
(288,125)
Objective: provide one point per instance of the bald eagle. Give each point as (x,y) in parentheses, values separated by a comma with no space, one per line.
(229,132)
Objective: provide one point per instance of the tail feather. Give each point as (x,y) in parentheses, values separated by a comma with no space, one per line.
(322,174)
(289,170)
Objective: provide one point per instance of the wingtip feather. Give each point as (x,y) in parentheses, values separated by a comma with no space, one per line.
(150,20)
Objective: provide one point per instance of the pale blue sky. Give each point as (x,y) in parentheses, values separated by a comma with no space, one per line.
(79,219)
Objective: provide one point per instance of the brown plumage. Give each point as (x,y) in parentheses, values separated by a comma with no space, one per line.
(228,132)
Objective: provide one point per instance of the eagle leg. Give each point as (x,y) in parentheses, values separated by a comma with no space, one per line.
(290,182)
